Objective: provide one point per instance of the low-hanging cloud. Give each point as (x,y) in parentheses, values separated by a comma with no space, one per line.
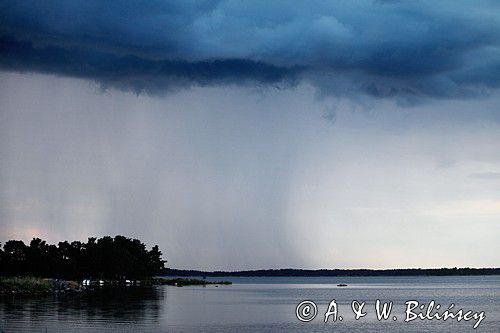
(406,50)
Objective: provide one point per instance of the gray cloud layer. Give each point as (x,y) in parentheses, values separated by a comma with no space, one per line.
(408,50)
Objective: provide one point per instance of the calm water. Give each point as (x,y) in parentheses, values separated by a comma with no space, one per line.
(256,305)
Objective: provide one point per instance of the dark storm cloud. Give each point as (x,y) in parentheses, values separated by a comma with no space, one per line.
(404,49)
(135,73)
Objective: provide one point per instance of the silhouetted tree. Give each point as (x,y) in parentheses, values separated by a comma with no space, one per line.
(15,253)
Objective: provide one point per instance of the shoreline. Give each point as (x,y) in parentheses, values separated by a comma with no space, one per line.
(51,286)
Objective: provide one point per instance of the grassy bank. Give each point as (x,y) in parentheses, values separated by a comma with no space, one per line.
(33,285)
(25,285)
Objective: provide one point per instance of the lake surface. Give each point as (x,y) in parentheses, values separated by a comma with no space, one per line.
(257,304)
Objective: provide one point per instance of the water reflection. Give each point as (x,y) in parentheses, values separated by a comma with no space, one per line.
(128,309)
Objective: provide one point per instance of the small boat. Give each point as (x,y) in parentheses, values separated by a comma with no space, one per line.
(342,285)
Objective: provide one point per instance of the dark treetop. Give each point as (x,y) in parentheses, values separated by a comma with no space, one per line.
(104,258)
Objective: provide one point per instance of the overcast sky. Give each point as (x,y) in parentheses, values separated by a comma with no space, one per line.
(255,135)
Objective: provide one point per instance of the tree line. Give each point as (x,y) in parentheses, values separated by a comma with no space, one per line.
(99,258)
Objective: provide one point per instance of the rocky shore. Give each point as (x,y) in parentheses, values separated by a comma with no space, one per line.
(180,282)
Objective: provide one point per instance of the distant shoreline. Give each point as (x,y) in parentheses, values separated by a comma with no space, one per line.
(339,272)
